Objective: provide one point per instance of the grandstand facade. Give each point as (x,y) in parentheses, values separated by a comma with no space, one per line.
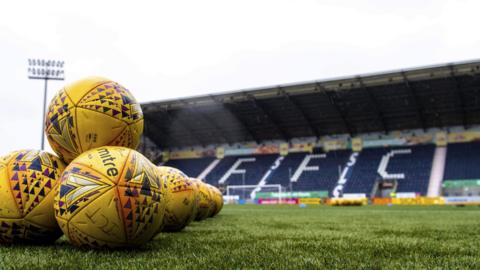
(412,132)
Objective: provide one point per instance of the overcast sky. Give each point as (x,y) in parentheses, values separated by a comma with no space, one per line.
(168,49)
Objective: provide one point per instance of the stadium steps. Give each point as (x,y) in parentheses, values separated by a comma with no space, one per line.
(436,175)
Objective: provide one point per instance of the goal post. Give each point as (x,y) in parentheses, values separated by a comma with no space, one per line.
(248,192)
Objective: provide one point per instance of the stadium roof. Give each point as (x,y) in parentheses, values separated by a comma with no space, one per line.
(434,96)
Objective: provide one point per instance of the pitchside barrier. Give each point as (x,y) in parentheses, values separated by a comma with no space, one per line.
(419,201)
(347,201)
(287,198)
(381,201)
(374,201)
(310,201)
(387,201)
(409,201)
(474,200)
(302,197)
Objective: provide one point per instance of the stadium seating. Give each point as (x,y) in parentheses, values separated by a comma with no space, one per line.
(415,166)
(463,161)
(409,165)
(220,170)
(286,169)
(192,167)
(323,179)
(255,167)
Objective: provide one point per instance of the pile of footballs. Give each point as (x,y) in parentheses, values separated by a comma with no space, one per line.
(97,189)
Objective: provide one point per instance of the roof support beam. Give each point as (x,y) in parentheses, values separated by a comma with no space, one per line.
(160,144)
(458,91)
(416,101)
(259,106)
(335,105)
(375,104)
(191,134)
(152,137)
(219,132)
(305,117)
(158,135)
(437,113)
(232,111)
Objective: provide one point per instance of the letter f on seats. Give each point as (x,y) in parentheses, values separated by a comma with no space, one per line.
(234,170)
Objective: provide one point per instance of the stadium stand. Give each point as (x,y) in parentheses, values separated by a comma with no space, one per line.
(411,169)
(192,166)
(322,175)
(432,97)
(229,170)
(426,100)
(286,169)
(416,167)
(219,171)
(463,161)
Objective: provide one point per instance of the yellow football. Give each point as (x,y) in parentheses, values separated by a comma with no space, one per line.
(91,113)
(206,204)
(27,178)
(110,197)
(196,191)
(212,204)
(217,199)
(180,206)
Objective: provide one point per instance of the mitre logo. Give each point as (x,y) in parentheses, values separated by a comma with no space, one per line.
(107,159)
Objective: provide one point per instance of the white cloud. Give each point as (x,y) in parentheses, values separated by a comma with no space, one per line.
(167,49)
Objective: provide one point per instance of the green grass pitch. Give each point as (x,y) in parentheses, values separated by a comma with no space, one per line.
(288,237)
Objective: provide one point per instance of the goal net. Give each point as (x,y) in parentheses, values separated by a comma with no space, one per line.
(248,193)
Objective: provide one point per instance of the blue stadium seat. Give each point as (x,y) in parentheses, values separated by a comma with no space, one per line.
(324,179)
(282,174)
(192,167)
(254,170)
(463,161)
(416,167)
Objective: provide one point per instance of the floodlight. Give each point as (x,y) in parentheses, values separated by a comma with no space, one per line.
(41,69)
